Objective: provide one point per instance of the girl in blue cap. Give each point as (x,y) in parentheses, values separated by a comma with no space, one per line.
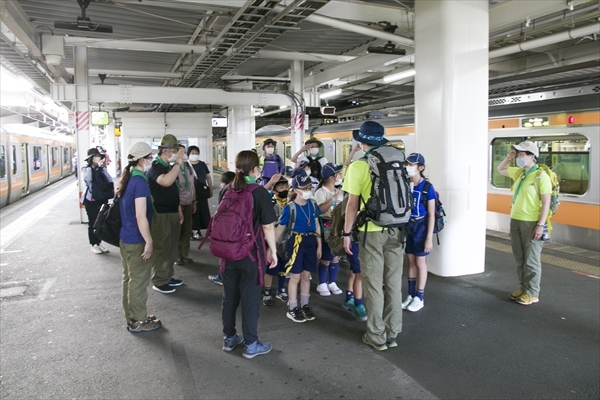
(419,240)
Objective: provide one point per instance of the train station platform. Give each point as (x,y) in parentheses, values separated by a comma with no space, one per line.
(62,331)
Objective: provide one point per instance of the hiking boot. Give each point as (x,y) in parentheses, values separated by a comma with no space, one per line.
(333,288)
(368,341)
(187,260)
(360,313)
(229,343)
(391,342)
(196,236)
(308,314)
(296,315)
(103,249)
(323,290)
(166,288)
(175,282)
(267,300)
(282,295)
(143,326)
(415,305)
(516,295)
(526,300)
(256,349)
(348,304)
(179,261)
(406,302)
(216,279)
(96,249)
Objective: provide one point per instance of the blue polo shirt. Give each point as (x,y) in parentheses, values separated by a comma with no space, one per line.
(136,187)
(301,223)
(419,209)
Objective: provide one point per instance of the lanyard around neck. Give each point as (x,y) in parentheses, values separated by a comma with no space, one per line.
(523,177)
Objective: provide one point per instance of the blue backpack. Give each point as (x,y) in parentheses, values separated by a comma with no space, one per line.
(440,213)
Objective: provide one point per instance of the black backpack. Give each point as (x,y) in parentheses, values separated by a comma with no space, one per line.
(107,226)
(315,167)
(102,188)
(440,213)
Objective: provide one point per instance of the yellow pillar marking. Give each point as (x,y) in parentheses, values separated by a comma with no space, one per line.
(548,259)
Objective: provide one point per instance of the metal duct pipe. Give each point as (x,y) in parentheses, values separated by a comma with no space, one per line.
(547,40)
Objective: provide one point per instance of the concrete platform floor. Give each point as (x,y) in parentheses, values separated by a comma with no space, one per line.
(62,330)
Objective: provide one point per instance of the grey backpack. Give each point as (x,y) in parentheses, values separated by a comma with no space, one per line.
(391,200)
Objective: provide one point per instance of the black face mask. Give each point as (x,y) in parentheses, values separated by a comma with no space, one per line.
(283,194)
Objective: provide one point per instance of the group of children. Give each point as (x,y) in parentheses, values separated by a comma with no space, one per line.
(304,198)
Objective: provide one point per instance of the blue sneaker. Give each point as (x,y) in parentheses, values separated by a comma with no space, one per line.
(229,343)
(216,279)
(256,349)
(348,304)
(360,313)
(175,282)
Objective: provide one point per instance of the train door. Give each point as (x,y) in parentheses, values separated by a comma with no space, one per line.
(287,153)
(342,149)
(47,163)
(24,169)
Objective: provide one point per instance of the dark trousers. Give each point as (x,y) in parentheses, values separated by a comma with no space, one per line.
(240,283)
(92,208)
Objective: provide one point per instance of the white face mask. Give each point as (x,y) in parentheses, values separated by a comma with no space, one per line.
(314,151)
(338,182)
(521,162)
(412,170)
(307,195)
(173,158)
(270,150)
(97,160)
(147,166)
(194,157)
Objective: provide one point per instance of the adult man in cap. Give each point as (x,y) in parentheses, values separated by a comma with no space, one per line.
(530,206)
(162,179)
(381,252)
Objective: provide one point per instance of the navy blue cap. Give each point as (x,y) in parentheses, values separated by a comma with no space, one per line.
(415,158)
(329,170)
(370,133)
(299,172)
(288,171)
(301,181)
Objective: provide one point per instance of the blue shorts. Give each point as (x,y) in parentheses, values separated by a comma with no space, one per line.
(275,271)
(305,257)
(326,254)
(415,240)
(353,259)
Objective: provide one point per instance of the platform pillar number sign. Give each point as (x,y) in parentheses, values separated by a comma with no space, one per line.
(82,117)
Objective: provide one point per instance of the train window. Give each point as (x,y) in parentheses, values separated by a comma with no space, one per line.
(568,157)
(215,149)
(54,156)
(288,152)
(65,156)
(37,158)
(2,162)
(224,153)
(14,159)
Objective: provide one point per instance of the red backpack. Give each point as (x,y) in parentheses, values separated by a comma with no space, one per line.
(231,229)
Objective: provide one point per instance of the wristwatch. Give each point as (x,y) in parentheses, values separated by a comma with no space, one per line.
(542,225)
(346,234)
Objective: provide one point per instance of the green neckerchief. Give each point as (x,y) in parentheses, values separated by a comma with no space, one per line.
(137,172)
(185,177)
(162,162)
(523,177)
(370,150)
(249,179)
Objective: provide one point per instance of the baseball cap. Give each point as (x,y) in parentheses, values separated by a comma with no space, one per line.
(415,158)
(527,146)
(299,172)
(138,150)
(329,170)
(301,181)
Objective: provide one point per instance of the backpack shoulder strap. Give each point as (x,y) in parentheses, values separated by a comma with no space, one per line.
(425,190)
(292,221)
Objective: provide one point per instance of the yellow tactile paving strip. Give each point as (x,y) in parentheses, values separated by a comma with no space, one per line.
(548,259)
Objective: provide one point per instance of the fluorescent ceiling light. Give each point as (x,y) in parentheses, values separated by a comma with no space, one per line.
(331,93)
(400,75)
(282,107)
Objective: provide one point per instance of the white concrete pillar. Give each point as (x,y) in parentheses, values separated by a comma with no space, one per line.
(451,98)
(111,147)
(297,111)
(241,128)
(82,117)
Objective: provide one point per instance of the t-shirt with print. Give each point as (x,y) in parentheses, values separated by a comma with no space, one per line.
(301,223)
(323,195)
(528,203)
(419,209)
(166,199)
(358,182)
(137,187)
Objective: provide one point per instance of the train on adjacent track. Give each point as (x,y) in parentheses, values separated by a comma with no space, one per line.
(568,143)
(31,159)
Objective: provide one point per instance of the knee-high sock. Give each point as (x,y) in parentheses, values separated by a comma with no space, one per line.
(323,273)
(333,271)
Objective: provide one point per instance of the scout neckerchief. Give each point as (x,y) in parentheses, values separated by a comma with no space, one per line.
(162,162)
(249,179)
(137,172)
(523,177)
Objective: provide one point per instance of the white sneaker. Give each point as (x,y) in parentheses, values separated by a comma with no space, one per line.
(323,290)
(103,249)
(415,305)
(406,302)
(96,249)
(333,287)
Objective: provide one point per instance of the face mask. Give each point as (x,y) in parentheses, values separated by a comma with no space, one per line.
(314,151)
(147,166)
(521,162)
(307,195)
(173,158)
(270,150)
(194,157)
(338,182)
(96,160)
(283,194)
(412,170)
(307,170)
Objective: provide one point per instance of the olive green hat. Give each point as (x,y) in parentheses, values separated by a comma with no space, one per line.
(169,142)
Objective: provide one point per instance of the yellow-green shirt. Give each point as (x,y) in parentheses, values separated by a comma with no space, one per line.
(357,181)
(528,203)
